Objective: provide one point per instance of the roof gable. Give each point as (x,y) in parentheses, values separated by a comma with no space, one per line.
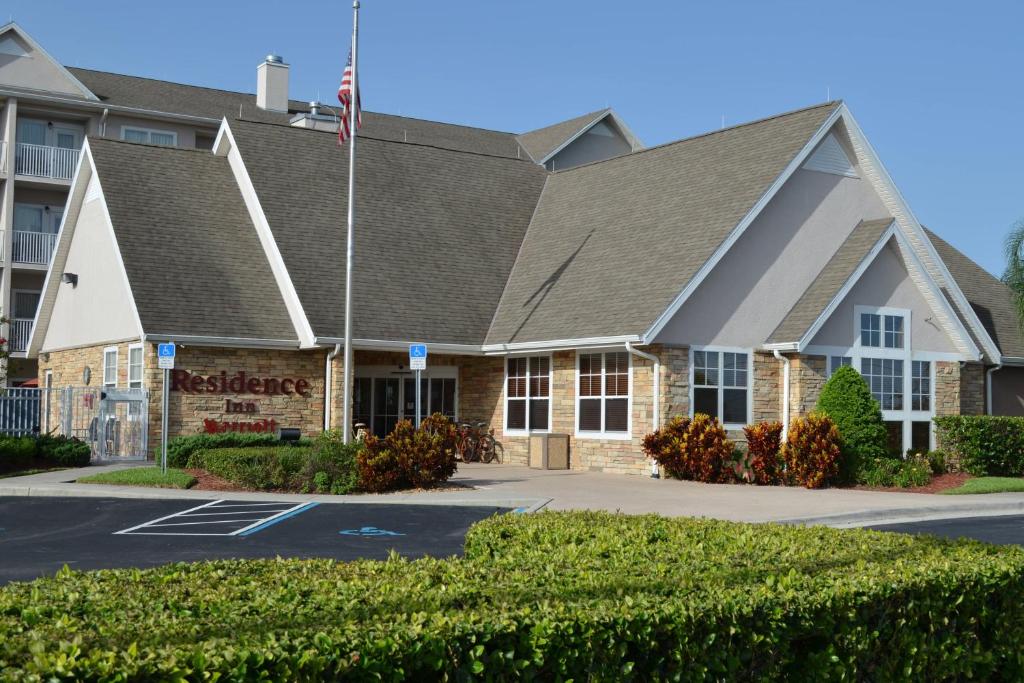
(24,64)
(612,244)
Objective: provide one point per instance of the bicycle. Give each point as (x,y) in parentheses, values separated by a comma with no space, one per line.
(487,448)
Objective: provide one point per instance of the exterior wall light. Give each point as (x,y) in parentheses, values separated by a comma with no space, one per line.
(70,279)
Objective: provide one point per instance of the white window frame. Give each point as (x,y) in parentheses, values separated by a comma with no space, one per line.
(602,434)
(106,352)
(142,366)
(149,134)
(832,367)
(749,353)
(551,400)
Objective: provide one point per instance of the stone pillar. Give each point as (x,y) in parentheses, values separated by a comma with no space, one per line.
(807,375)
(767,388)
(972,389)
(675,381)
(947,387)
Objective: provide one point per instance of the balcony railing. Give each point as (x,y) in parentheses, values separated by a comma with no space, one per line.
(3,156)
(21,330)
(33,247)
(44,161)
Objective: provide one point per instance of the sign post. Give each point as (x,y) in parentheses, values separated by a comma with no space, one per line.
(418,362)
(165,361)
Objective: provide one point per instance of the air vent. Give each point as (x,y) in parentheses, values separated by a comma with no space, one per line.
(830,157)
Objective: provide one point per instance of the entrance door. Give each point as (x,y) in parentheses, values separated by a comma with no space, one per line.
(409,398)
(386,404)
(380,402)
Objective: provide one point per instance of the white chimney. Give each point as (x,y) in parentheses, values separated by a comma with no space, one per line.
(272,84)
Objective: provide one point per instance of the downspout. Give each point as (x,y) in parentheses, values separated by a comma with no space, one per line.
(656,405)
(103,122)
(785,393)
(988,387)
(327,386)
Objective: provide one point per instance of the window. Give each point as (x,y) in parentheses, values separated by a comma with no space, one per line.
(528,393)
(721,381)
(836,362)
(149,136)
(870,329)
(894,331)
(134,367)
(383,395)
(885,377)
(603,397)
(921,385)
(110,367)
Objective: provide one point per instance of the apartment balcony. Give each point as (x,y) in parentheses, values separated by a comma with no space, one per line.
(21,330)
(34,248)
(44,161)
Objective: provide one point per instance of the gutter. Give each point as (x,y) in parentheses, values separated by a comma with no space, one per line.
(988,387)
(91,104)
(238,342)
(327,386)
(785,393)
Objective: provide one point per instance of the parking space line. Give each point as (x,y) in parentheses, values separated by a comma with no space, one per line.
(205,521)
(280,517)
(139,526)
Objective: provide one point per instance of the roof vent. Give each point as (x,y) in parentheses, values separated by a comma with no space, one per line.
(275,59)
(314,108)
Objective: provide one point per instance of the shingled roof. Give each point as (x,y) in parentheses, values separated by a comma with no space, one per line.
(613,243)
(542,142)
(211,103)
(830,281)
(437,229)
(192,256)
(990,298)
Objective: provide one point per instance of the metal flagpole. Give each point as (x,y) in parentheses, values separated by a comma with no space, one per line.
(346,409)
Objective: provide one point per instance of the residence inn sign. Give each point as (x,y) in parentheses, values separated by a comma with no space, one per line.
(239,391)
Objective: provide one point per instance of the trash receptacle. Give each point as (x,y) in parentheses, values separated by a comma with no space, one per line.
(549,451)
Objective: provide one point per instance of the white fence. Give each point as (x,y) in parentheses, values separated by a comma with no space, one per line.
(33,247)
(44,161)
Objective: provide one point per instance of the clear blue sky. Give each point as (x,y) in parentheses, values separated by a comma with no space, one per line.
(935,85)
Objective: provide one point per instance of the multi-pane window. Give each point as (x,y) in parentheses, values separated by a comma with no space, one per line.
(870,329)
(110,367)
(135,367)
(836,362)
(150,136)
(528,393)
(720,385)
(603,404)
(920,385)
(893,332)
(885,377)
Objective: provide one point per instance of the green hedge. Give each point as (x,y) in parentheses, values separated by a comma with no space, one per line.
(24,452)
(552,596)
(261,468)
(181,448)
(985,445)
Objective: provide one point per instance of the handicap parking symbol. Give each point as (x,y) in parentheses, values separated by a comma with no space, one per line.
(369,531)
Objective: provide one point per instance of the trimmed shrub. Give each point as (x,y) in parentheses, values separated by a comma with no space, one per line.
(984,445)
(764,442)
(17,452)
(330,466)
(549,596)
(891,472)
(261,468)
(938,461)
(409,457)
(64,451)
(695,449)
(847,399)
(812,451)
(181,448)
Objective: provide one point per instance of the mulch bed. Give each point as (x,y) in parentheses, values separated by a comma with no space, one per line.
(938,484)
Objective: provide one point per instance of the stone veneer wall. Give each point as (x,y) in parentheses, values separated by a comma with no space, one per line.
(767,388)
(807,377)
(959,390)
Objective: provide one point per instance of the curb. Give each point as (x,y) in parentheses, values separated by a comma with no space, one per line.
(141,493)
(909,515)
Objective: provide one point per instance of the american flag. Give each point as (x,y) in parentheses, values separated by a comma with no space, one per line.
(345,97)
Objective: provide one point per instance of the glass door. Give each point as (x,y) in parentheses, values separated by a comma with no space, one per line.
(409,398)
(386,404)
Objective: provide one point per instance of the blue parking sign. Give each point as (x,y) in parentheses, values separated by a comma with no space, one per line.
(417,356)
(165,356)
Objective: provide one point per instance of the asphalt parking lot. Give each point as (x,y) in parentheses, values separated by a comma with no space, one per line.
(1005,530)
(38,536)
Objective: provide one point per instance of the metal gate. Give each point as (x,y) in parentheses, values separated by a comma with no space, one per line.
(112,421)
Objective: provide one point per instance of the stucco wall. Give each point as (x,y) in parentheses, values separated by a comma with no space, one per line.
(759,280)
(34,71)
(604,141)
(186,134)
(886,283)
(99,308)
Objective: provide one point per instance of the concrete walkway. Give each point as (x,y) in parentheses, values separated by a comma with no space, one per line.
(521,487)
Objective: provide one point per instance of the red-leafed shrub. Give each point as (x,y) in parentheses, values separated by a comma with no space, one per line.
(812,451)
(695,449)
(764,441)
(409,457)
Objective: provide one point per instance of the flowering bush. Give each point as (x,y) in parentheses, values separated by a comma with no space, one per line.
(812,451)
(764,441)
(695,449)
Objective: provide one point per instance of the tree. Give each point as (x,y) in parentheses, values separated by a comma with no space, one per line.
(847,399)
(1013,276)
